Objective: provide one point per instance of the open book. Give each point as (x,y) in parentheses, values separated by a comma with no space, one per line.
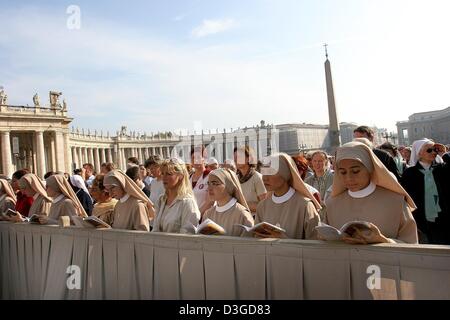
(10,213)
(330,233)
(89,222)
(263,228)
(209,227)
(33,219)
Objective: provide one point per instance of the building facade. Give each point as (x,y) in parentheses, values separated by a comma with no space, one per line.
(433,125)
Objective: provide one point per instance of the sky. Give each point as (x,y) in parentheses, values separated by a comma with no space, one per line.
(184,64)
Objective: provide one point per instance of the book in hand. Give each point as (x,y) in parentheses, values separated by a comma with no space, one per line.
(33,219)
(209,227)
(329,233)
(11,213)
(90,222)
(263,228)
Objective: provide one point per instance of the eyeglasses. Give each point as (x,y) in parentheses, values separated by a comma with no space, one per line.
(430,150)
(213,183)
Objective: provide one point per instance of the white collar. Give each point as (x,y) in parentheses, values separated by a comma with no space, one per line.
(426,166)
(36,195)
(226,207)
(367,191)
(2,197)
(58,198)
(285,197)
(124,198)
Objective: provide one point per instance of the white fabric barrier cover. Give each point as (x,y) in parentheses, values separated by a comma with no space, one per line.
(49,262)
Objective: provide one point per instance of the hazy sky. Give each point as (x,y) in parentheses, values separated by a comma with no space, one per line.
(170,65)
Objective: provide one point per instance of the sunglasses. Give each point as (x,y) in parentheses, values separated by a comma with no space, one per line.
(430,150)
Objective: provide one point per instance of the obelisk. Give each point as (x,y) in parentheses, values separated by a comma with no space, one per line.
(335,139)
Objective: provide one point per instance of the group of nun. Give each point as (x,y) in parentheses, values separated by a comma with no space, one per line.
(363,190)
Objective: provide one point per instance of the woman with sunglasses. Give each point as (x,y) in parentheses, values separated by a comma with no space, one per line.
(428,184)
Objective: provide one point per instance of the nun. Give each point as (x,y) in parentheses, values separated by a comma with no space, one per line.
(289,204)
(365,190)
(33,187)
(64,203)
(134,209)
(7,197)
(230,206)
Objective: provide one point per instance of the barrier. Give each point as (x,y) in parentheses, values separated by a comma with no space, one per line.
(121,264)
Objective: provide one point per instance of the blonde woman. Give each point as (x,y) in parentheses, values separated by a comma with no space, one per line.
(176,210)
(134,208)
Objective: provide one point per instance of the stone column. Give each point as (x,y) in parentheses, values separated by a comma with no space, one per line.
(6,154)
(53,152)
(74,158)
(69,158)
(96,160)
(40,154)
(60,152)
(80,157)
(145,154)
(102,156)
(109,155)
(91,156)
(84,155)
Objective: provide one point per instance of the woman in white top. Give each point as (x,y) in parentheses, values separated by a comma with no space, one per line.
(199,179)
(251,181)
(156,185)
(176,210)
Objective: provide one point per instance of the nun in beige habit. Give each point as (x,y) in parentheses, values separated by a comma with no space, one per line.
(7,197)
(134,208)
(65,202)
(33,187)
(289,203)
(364,190)
(230,208)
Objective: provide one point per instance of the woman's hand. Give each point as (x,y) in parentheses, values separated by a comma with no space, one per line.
(43,219)
(369,236)
(17,218)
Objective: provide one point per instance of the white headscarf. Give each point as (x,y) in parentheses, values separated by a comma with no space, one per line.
(415,150)
(77,181)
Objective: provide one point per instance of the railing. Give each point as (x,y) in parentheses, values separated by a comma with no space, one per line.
(118,264)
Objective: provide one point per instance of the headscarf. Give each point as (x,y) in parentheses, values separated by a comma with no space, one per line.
(77,181)
(283,165)
(35,183)
(380,175)
(59,183)
(415,150)
(118,178)
(232,185)
(8,190)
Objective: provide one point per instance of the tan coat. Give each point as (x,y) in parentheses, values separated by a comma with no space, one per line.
(298,216)
(63,207)
(105,211)
(237,214)
(40,206)
(131,215)
(386,209)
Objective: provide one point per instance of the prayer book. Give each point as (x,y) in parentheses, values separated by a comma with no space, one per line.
(209,227)
(263,228)
(11,213)
(33,219)
(90,222)
(330,233)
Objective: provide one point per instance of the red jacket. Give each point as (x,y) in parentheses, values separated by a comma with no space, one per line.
(23,203)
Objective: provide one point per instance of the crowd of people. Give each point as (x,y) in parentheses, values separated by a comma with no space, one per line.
(402,192)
